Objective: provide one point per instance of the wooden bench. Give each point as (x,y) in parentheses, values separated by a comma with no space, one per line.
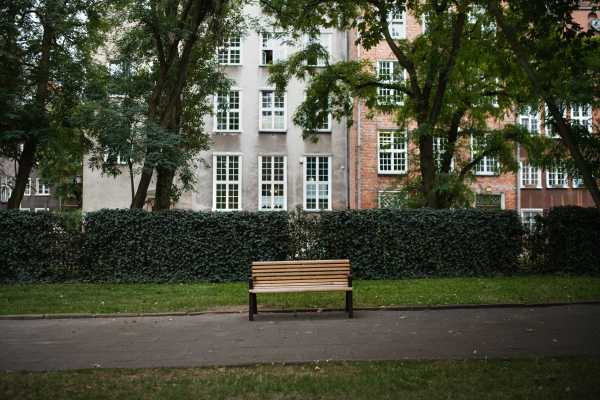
(300,276)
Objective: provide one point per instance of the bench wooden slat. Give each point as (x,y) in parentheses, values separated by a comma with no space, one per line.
(300,276)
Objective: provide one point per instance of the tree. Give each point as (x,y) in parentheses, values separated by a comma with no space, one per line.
(457,78)
(176,42)
(560,61)
(44,48)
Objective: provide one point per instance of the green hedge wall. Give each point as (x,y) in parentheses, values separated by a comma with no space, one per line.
(572,235)
(25,246)
(127,246)
(399,244)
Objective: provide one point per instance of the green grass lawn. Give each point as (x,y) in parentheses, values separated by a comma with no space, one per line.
(87,298)
(532,378)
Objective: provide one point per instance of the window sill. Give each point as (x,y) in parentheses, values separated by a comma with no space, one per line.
(234,132)
(530,187)
(392,172)
(272,131)
(556,187)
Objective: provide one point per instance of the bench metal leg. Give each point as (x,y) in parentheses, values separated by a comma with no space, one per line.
(255,304)
(252,305)
(349,303)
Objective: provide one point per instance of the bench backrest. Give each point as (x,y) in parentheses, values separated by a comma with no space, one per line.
(301,273)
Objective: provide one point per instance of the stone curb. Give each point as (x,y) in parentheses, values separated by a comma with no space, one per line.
(383,308)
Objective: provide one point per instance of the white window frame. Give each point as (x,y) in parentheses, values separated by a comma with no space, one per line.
(320,186)
(394,150)
(531,212)
(531,121)
(27,191)
(385,96)
(229,115)
(530,176)
(438,143)
(24,209)
(484,167)
(41,189)
(396,22)
(556,178)
(582,115)
(577,182)
(326,41)
(230,184)
(271,205)
(326,127)
(5,188)
(42,209)
(274,97)
(547,127)
(273,42)
(230,48)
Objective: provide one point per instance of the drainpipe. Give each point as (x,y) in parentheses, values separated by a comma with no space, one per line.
(346,132)
(358,129)
(518,181)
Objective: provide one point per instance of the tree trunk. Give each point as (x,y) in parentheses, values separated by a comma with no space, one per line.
(164,186)
(140,195)
(563,128)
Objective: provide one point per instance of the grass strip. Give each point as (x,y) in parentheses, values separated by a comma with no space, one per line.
(154,298)
(531,378)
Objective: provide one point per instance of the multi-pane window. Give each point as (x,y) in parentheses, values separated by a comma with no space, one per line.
(439,148)
(5,188)
(27,191)
(227,182)
(528,217)
(389,72)
(272,183)
(489,201)
(273,47)
(42,190)
(577,179)
(530,176)
(228,111)
(396,24)
(317,183)
(325,40)
(582,115)
(488,165)
(531,121)
(392,151)
(391,198)
(556,177)
(231,52)
(272,111)
(549,130)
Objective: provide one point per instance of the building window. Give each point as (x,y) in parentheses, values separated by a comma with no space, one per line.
(556,178)
(487,165)
(42,190)
(5,188)
(325,40)
(391,198)
(272,111)
(114,157)
(528,217)
(577,179)
(549,130)
(231,51)
(396,24)
(531,121)
(227,182)
(531,177)
(489,201)
(582,115)
(439,148)
(317,184)
(392,152)
(272,183)
(389,72)
(41,209)
(273,48)
(27,191)
(228,111)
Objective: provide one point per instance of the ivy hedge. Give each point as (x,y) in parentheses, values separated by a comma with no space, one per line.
(134,246)
(400,244)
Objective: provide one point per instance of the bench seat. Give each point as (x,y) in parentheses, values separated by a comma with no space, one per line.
(300,276)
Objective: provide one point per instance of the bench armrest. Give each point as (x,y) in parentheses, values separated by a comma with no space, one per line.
(349,280)
(251,282)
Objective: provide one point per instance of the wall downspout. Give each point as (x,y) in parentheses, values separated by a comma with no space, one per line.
(358,129)
(346,132)
(518,181)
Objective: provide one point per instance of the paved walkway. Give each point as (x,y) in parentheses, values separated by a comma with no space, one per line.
(230,339)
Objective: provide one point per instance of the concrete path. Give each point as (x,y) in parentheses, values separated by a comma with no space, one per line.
(230,339)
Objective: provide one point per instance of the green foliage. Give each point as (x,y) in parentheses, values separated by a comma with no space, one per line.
(25,243)
(565,241)
(401,244)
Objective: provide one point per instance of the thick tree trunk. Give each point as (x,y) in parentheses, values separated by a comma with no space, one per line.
(140,195)
(26,164)
(164,186)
